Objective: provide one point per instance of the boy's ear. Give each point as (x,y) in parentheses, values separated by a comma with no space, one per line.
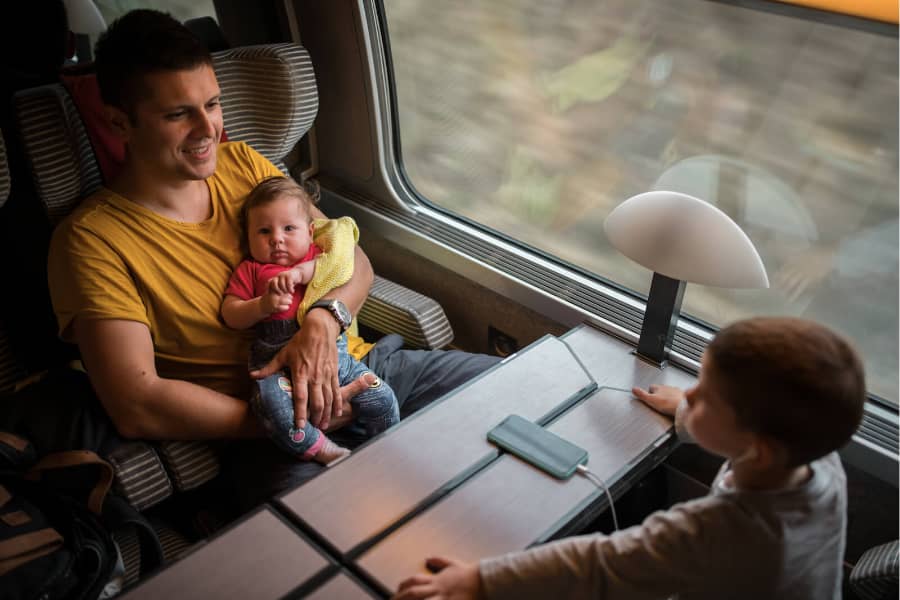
(769,453)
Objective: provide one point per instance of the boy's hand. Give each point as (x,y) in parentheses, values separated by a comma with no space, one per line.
(452,581)
(661,398)
(275,302)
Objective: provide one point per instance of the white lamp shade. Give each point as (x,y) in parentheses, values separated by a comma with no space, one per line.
(84,17)
(685,238)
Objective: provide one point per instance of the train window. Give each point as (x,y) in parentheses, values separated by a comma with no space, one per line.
(536,119)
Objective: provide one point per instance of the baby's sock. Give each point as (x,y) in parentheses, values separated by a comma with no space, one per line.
(329,452)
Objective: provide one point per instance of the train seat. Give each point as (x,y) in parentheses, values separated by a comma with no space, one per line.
(269,100)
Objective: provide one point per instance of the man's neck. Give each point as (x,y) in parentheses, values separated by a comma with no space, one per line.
(186,200)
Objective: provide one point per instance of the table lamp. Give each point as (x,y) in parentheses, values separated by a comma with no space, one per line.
(681,239)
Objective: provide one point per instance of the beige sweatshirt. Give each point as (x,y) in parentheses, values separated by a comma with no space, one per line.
(732,544)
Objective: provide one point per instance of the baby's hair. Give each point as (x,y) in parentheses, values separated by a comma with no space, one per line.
(266,191)
(792,380)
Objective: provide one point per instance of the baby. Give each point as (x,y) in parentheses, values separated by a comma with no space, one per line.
(269,291)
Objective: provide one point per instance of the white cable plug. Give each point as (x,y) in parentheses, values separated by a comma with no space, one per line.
(583,470)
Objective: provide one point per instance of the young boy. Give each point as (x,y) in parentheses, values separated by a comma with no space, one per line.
(284,275)
(776,397)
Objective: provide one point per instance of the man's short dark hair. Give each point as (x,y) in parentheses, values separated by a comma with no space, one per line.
(792,380)
(139,43)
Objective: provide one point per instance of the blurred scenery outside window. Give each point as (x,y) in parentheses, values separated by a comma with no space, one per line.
(536,119)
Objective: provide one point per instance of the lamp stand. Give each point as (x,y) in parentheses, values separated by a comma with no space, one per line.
(660,319)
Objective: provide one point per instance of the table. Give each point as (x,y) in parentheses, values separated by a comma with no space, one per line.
(511,505)
(419,460)
(261,557)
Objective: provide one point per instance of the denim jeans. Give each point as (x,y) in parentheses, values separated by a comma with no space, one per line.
(374,409)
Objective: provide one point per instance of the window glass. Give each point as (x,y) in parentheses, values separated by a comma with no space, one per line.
(537,119)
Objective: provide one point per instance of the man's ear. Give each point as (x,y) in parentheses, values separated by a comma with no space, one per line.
(118,121)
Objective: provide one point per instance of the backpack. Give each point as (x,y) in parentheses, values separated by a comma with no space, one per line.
(54,542)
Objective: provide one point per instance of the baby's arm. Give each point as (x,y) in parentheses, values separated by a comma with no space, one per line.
(243,314)
(286,281)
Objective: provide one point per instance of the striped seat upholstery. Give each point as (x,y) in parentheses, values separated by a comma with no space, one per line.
(140,476)
(11,370)
(269,97)
(419,319)
(875,575)
(4,173)
(62,161)
(189,463)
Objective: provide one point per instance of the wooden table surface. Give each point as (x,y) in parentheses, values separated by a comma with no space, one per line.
(431,451)
(261,557)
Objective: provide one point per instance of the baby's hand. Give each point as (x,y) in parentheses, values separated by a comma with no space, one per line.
(284,282)
(274,302)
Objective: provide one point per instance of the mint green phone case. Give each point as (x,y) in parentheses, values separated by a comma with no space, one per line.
(536,445)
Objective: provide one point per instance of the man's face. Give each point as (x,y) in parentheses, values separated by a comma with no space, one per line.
(174,129)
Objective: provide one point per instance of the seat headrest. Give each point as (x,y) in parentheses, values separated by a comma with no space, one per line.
(269,97)
(269,101)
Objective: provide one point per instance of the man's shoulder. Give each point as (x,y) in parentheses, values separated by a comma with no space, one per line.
(90,215)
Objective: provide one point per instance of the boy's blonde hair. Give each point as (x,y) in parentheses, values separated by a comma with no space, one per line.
(792,380)
(266,191)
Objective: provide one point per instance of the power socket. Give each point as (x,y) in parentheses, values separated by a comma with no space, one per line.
(500,343)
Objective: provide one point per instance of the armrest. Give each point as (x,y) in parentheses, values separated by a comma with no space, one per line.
(392,308)
(875,574)
(147,474)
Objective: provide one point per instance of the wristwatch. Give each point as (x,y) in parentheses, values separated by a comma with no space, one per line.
(338,310)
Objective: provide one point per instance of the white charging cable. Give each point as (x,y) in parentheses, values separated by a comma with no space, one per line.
(589,475)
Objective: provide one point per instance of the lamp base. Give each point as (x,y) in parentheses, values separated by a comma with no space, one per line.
(660,318)
(659,364)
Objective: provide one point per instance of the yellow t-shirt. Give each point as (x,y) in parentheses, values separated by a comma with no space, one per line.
(114,259)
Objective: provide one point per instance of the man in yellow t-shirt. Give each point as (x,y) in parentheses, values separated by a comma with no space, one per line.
(137,272)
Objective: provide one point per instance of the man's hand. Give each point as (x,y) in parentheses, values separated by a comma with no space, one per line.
(661,398)
(453,581)
(311,359)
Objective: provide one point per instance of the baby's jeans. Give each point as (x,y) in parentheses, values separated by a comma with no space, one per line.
(374,409)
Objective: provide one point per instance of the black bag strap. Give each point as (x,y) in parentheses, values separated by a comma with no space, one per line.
(70,458)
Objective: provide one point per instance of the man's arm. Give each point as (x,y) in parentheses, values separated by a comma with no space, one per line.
(311,355)
(119,359)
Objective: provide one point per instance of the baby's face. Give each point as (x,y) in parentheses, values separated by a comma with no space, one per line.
(279,232)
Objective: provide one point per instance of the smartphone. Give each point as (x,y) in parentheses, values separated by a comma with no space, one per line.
(534,444)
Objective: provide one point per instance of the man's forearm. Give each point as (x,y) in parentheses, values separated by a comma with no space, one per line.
(353,293)
(180,410)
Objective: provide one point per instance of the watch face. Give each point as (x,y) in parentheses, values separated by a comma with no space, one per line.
(342,313)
